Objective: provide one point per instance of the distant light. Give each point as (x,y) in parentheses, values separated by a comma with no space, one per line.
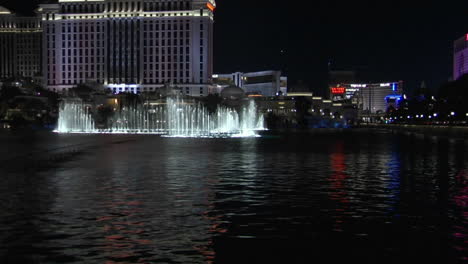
(211,7)
(435,115)
(417,116)
(466,114)
(452,113)
(409,117)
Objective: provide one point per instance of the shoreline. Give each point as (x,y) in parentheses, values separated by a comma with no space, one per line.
(443,131)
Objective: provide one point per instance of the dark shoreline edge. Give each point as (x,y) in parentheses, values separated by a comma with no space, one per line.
(440,131)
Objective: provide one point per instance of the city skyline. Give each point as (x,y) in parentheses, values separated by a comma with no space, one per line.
(392,41)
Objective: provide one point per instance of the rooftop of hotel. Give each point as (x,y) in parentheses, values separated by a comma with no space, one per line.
(4,11)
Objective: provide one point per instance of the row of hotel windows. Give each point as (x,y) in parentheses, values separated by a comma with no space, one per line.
(125,7)
(89,70)
(74,58)
(50,16)
(85,27)
(20,25)
(174,51)
(175,25)
(53,81)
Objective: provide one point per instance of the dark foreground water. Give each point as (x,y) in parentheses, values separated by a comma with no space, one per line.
(366,197)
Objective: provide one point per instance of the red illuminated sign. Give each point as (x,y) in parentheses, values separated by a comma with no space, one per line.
(338,90)
(210,7)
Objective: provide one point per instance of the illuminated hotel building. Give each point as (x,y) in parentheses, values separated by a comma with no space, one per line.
(20,45)
(129,45)
(460,57)
(371,97)
(263,83)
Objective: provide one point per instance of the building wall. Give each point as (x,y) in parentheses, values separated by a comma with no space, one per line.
(129,46)
(20,46)
(460,57)
(369,97)
(251,82)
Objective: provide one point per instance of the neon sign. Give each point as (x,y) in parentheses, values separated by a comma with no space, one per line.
(338,90)
(210,7)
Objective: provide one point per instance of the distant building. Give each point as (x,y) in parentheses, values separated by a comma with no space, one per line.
(264,83)
(370,97)
(129,46)
(337,77)
(460,57)
(20,45)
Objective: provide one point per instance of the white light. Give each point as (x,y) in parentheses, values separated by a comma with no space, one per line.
(435,114)
(417,116)
(422,116)
(452,113)
(409,116)
(466,114)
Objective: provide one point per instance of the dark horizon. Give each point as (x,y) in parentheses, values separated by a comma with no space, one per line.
(389,41)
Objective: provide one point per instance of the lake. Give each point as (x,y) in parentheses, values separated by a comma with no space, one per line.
(370,197)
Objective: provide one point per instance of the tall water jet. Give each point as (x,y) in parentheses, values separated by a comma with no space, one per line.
(75,117)
(192,119)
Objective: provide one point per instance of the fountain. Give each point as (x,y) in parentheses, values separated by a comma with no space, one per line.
(75,117)
(177,118)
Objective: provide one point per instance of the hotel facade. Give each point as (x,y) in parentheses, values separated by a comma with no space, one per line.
(129,46)
(370,97)
(460,57)
(20,45)
(263,83)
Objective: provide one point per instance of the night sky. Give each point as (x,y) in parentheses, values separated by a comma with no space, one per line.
(383,40)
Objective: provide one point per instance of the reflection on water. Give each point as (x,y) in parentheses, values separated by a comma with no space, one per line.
(374,198)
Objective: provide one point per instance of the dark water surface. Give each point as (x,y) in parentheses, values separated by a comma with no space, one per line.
(366,197)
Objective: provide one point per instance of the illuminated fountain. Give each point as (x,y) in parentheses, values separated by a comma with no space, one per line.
(75,117)
(194,120)
(177,118)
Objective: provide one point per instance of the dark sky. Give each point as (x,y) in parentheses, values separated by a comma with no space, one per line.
(384,40)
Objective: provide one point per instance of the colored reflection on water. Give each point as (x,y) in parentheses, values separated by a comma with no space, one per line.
(369,197)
